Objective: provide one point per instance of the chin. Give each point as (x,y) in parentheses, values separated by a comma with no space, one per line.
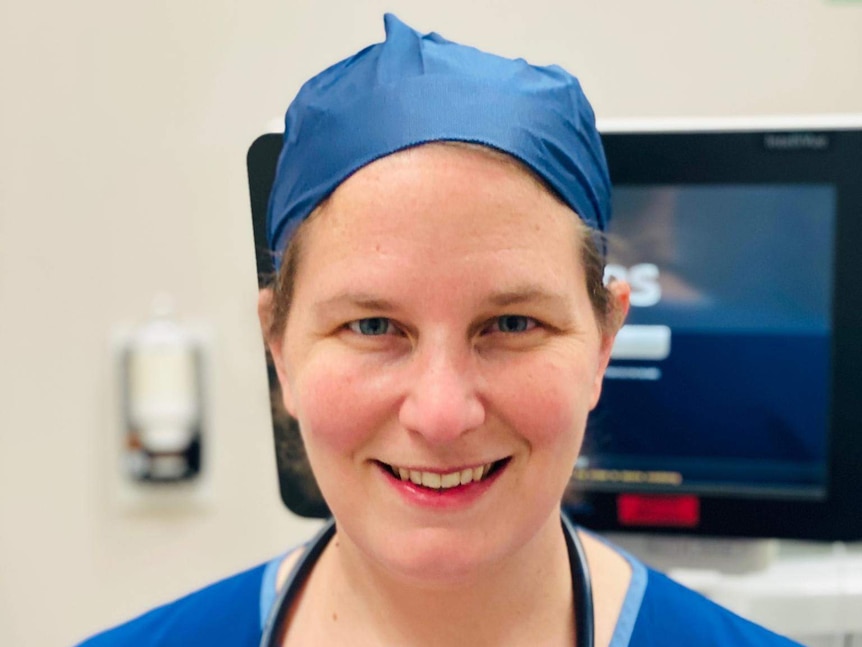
(437,557)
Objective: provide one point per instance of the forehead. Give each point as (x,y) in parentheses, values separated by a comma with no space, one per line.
(443,179)
(447,208)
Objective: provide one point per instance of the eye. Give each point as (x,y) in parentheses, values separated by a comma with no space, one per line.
(371,326)
(513,324)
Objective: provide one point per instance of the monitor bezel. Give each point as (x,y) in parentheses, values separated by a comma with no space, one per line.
(757,152)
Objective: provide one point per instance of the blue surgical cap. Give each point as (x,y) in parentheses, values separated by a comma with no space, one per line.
(413,89)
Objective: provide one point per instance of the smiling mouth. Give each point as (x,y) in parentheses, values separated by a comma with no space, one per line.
(447,480)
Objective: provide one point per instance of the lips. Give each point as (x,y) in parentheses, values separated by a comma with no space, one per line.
(436,480)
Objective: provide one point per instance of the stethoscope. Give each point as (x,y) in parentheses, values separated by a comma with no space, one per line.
(582,587)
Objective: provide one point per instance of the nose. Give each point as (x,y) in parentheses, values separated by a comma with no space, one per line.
(442,400)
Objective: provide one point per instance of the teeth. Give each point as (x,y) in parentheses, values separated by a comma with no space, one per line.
(437,481)
(431,479)
(450,480)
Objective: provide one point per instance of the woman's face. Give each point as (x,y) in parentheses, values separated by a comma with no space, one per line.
(440,326)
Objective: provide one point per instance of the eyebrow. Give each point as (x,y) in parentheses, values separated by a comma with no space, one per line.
(519,295)
(526,294)
(356,300)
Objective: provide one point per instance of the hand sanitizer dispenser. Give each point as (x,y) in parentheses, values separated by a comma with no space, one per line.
(162,403)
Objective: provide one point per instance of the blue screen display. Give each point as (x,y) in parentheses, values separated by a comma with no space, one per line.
(719,382)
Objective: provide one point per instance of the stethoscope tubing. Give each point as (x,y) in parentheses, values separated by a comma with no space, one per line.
(581,585)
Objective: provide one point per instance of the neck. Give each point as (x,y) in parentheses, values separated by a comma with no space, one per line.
(525,599)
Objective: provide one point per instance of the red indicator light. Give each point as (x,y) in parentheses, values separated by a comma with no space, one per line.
(670,511)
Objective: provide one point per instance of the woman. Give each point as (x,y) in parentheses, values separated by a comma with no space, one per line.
(440,331)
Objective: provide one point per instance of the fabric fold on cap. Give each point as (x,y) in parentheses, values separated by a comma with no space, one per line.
(413,89)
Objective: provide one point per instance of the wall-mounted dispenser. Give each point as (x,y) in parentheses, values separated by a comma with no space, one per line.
(161,366)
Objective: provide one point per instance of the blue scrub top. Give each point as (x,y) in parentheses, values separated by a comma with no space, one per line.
(656,612)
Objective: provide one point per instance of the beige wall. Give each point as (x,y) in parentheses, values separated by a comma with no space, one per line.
(123,130)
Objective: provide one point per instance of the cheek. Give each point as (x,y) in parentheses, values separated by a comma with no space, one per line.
(340,404)
(549,402)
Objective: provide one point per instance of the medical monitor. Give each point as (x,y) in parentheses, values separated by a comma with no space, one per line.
(733,401)
(732,405)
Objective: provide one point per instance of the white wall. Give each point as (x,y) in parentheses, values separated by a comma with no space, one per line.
(123,131)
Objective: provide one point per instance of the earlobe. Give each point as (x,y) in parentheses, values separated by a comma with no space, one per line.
(621,299)
(264,313)
(275,345)
(620,293)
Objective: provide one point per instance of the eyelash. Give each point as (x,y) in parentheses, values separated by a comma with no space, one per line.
(356,326)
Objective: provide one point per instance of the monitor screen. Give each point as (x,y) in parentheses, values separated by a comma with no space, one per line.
(719,381)
(731,405)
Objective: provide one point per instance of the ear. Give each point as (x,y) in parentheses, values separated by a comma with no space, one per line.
(620,293)
(275,345)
